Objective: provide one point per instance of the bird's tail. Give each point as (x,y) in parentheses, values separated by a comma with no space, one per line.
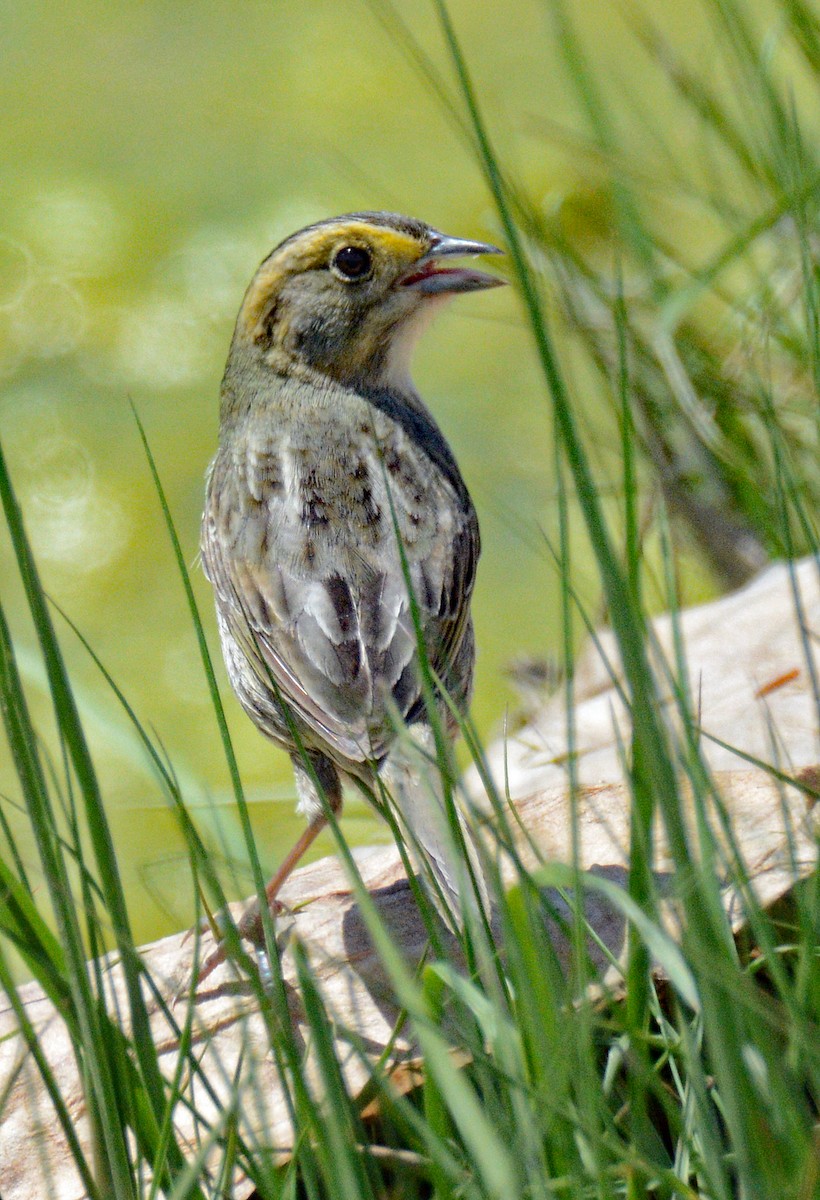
(455,880)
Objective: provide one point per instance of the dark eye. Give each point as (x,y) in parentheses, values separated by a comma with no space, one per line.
(353,262)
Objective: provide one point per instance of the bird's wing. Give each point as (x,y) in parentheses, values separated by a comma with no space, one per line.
(300,541)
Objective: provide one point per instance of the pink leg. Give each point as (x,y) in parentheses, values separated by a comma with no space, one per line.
(249,923)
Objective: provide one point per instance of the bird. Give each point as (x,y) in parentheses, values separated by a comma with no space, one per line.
(338,534)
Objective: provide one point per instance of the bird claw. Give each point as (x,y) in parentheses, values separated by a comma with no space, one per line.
(248,927)
(204,925)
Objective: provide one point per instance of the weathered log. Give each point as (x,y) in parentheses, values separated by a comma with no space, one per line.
(752,661)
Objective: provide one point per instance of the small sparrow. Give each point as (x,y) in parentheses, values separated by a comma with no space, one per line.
(332,489)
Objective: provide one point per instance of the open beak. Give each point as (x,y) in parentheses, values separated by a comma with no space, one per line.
(427,274)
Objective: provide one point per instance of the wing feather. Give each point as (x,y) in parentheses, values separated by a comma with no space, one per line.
(299,543)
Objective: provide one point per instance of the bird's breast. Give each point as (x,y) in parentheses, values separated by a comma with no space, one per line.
(326,491)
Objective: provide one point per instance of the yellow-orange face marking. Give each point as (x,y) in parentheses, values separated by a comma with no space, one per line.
(313,250)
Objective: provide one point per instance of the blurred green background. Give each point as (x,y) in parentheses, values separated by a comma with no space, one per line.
(153,154)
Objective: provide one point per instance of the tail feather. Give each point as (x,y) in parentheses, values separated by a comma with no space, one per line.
(413,780)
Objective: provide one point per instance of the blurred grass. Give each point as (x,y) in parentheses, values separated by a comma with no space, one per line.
(701,355)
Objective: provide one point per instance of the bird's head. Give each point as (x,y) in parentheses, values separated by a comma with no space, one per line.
(349,296)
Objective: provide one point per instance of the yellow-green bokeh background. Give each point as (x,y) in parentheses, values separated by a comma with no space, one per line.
(153,153)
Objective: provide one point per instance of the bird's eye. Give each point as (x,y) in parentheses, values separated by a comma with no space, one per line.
(353,262)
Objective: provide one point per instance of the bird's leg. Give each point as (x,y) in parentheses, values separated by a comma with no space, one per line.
(250,923)
(312,802)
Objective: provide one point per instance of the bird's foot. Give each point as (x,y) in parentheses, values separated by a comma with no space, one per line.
(249,928)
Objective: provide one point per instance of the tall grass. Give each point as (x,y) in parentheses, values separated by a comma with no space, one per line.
(704,1082)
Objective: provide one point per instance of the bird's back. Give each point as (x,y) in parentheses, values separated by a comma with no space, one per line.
(307,503)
